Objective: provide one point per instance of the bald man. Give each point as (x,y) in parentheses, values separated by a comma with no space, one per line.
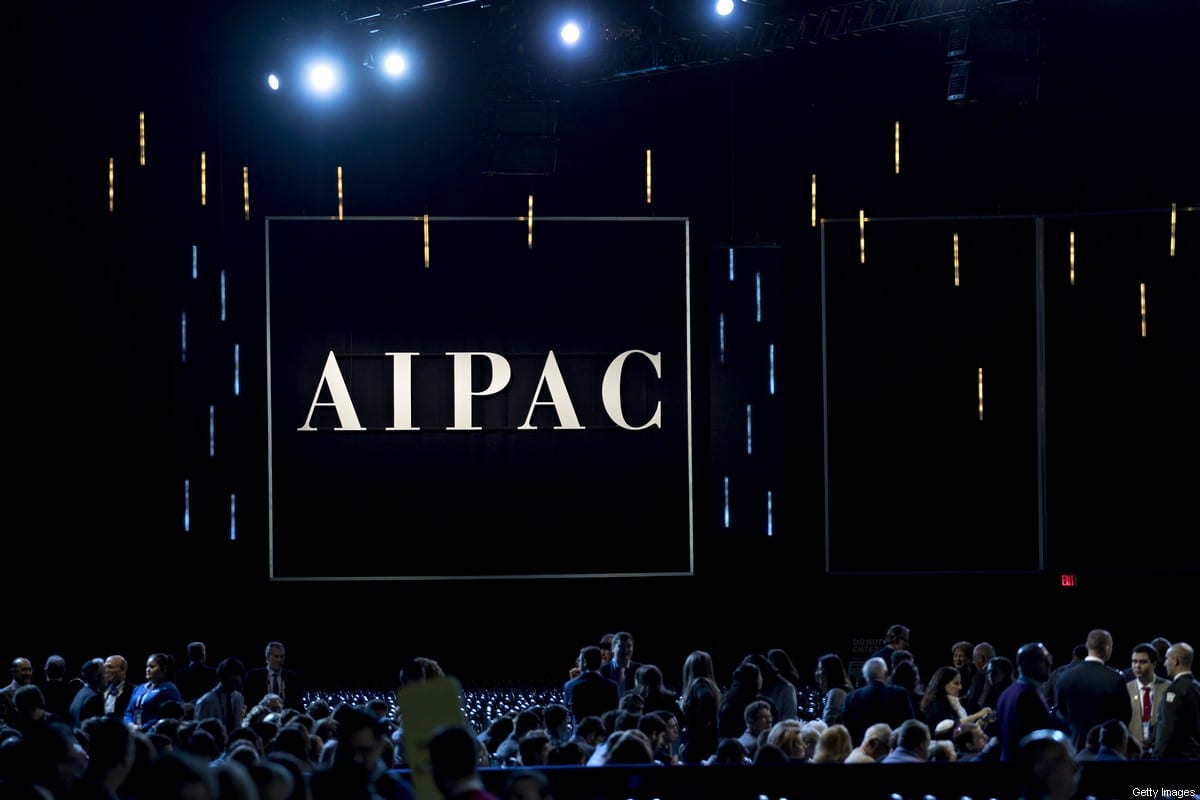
(22,675)
(1178,734)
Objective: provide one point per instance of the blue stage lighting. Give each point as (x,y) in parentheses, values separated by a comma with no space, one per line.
(570,33)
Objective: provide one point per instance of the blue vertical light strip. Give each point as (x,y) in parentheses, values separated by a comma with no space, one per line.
(222,295)
(233,517)
(195,260)
(726,501)
(771,368)
(183,337)
(237,369)
(758,297)
(721,336)
(187,505)
(212,431)
(770,515)
(749,432)
(731,265)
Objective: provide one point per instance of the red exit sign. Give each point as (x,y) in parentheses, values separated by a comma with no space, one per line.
(1067,580)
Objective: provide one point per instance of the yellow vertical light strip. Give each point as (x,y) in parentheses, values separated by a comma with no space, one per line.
(813,212)
(956,258)
(246,192)
(862,236)
(981,393)
(1172,230)
(203,178)
(529,235)
(1072,258)
(142,138)
(111,191)
(647,176)
(1143,288)
(339,191)
(897,147)
(425,234)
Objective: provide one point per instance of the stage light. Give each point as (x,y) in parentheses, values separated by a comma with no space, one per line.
(323,77)
(273,82)
(724,7)
(570,33)
(395,64)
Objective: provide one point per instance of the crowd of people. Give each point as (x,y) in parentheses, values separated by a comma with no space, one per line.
(228,731)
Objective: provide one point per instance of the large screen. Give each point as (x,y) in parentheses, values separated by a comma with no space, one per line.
(465,398)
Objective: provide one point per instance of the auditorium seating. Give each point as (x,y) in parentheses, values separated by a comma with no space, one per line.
(967,781)
(481,705)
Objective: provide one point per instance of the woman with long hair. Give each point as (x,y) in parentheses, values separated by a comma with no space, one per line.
(832,680)
(941,701)
(776,688)
(700,703)
(648,684)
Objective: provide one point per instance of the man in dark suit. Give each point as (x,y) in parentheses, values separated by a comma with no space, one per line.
(89,700)
(22,675)
(622,669)
(590,694)
(1178,733)
(56,689)
(1092,692)
(876,702)
(118,691)
(198,676)
(1078,654)
(275,678)
(225,700)
(1021,709)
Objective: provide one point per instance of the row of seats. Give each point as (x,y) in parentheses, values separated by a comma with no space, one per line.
(481,705)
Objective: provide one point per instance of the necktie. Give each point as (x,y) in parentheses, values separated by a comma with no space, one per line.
(230,722)
(275,684)
(1145,704)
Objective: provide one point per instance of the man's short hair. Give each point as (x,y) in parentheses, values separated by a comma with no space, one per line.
(874,669)
(911,734)
(230,667)
(352,719)
(1148,649)
(591,657)
(56,667)
(880,732)
(753,708)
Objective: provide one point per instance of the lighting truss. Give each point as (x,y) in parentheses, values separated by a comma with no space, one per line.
(627,58)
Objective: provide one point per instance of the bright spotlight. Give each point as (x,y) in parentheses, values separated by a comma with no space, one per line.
(322,77)
(395,64)
(570,33)
(273,82)
(724,7)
